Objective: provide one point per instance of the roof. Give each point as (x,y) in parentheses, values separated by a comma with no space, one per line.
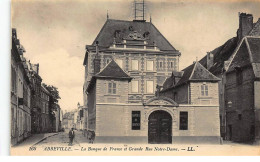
(45,90)
(256,29)
(225,51)
(112,70)
(247,53)
(221,54)
(195,72)
(124,28)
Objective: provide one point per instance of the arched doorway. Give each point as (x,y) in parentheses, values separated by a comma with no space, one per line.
(160,127)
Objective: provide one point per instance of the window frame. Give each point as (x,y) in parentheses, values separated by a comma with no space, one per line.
(113,89)
(137,86)
(183,126)
(204,89)
(149,88)
(147,65)
(134,112)
(133,66)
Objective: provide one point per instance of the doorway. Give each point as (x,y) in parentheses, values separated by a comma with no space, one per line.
(160,127)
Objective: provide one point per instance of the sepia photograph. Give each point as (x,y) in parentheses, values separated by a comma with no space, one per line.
(135,77)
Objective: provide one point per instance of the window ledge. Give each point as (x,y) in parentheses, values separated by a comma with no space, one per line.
(116,95)
(149,71)
(135,71)
(206,97)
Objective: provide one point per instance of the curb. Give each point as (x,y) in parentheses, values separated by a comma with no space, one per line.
(45,138)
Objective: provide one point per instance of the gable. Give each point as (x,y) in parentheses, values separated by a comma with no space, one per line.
(241,58)
(112,70)
(254,46)
(202,74)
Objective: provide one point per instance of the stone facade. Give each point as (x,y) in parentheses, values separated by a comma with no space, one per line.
(123,75)
(20,93)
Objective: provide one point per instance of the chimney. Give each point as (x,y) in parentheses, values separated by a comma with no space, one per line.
(97,60)
(210,60)
(245,25)
(38,68)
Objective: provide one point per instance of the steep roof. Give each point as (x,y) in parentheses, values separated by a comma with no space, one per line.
(256,29)
(196,72)
(221,54)
(225,51)
(124,28)
(112,70)
(248,53)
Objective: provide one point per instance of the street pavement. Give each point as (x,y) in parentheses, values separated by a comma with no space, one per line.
(34,139)
(62,139)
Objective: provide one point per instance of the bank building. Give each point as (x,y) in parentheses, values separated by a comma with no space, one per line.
(134,91)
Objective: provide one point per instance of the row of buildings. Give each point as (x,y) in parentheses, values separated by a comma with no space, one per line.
(74,119)
(32,106)
(134,91)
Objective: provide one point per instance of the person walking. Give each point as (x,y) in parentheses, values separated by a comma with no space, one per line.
(71,136)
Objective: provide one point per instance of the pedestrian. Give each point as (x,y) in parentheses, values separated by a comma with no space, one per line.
(71,136)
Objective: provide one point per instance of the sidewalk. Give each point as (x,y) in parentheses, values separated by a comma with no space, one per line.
(35,139)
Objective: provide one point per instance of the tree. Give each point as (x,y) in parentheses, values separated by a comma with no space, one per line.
(53,100)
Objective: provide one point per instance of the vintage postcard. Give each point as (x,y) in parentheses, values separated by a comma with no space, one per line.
(135,77)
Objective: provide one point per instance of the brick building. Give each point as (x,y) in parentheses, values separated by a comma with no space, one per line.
(217,62)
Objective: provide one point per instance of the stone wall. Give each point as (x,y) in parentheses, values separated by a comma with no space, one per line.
(113,124)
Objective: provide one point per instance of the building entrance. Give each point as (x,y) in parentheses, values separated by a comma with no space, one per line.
(160,127)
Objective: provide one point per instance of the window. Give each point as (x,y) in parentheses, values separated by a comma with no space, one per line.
(174,64)
(171,65)
(112,88)
(135,86)
(119,62)
(149,65)
(136,118)
(161,65)
(47,108)
(204,90)
(149,87)
(183,120)
(135,65)
(239,76)
(13,75)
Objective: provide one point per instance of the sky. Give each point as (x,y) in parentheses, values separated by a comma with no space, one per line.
(54,33)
